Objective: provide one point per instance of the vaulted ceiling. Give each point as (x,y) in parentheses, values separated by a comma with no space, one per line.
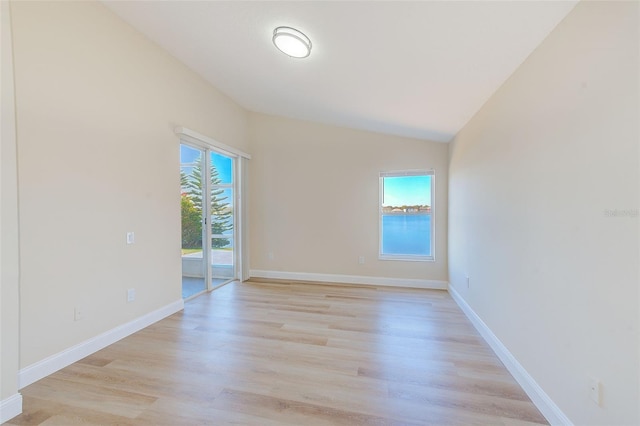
(420,68)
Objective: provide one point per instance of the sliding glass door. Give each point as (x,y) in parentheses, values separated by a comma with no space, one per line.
(208,219)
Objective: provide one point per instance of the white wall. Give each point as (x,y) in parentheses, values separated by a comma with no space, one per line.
(97,157)
(9,261)
(532,176)
(314,198)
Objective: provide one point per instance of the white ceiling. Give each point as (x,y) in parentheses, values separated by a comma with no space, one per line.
(420,69)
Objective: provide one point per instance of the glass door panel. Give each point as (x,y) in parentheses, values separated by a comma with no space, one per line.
(222,219)
(194,265)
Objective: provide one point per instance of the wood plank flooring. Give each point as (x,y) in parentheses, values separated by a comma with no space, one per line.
(287,353)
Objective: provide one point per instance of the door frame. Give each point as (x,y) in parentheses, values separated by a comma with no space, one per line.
(197,141)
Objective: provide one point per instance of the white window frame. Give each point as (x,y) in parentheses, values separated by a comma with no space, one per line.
(408,257)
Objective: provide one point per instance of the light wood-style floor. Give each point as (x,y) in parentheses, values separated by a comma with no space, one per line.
(291,354)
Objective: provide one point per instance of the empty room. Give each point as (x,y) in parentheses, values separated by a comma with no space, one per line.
(320,213)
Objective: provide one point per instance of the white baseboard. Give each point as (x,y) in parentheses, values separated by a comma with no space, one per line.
(539,397)
(50,365)
(10,407)
(350,279)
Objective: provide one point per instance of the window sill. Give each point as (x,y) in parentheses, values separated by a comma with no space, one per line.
(406,258)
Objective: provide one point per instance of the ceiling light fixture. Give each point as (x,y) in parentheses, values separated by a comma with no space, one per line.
(292,42)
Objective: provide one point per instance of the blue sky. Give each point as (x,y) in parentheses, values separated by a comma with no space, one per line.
(407,190)
(223,164)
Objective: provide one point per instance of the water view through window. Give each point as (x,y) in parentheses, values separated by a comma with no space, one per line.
(406,215)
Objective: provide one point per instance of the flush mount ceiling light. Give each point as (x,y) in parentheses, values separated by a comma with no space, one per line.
(292,42)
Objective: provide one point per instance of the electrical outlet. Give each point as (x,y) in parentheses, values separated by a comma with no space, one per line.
(595,390)
(78,313)
(131,237)
(131,295)
(361,260)
(270,255)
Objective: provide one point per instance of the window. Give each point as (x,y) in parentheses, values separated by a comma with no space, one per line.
(406,215)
